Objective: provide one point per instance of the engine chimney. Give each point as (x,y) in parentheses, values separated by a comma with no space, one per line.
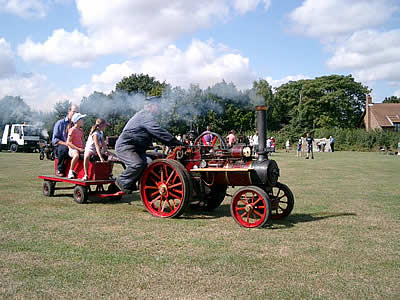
(262,131)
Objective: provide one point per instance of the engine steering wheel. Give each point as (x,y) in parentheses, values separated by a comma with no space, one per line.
(216,140)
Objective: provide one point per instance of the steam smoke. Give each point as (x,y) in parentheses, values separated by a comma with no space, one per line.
(184,105)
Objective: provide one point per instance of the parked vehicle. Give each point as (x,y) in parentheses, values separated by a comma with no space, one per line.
(18,137)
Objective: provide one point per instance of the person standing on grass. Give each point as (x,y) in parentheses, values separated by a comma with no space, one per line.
(255,142)
(75,142)
(299,145)
(287,146)
(59,139)
(309,141)
(332,143)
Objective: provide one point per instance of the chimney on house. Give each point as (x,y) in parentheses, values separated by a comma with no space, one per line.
(368,105)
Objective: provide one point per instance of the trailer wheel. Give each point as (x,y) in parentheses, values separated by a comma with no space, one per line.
(250,207)
(48,188)
(13,147)
(282,201)
(80,194)
(165,188)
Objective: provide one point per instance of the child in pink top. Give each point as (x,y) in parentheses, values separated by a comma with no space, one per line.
(75,141)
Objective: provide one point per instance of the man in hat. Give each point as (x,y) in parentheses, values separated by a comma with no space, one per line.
(60,139)
(135,139)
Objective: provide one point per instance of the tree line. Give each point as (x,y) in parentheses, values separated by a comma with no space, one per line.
(308,105)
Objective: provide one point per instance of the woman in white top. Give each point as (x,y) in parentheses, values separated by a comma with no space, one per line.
(95,144)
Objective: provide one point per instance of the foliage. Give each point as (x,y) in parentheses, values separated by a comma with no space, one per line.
(325,105)
(327,101)
(392,99)
(141,83)
(13,110)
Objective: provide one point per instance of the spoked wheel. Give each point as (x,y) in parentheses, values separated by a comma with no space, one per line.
(250,207)
(215,140)
(80,194)
(165,188)
(48,188)
(282,201)
(41,156)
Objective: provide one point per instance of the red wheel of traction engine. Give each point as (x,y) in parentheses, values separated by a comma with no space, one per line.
(282,201)
(250,207)
(165,188)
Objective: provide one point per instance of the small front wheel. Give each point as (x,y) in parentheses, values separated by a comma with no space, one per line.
(48,188)
(250,207)
(80,194)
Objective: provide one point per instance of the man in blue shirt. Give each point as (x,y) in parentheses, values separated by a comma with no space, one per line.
(135,139)
(60,138)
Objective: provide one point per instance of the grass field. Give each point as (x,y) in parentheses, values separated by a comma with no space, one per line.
(340,242)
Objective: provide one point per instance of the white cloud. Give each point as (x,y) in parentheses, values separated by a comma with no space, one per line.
(244,6)
(61,48)
(7,64)
(278,82)
(372,55)
(397,93)
(24,8)
(202,63)
(329,18)
(34,89)
(132,27)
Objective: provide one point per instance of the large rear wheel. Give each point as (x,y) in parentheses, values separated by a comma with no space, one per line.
(250,207)
(165,188)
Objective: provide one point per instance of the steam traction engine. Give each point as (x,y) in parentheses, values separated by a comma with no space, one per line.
(200,174)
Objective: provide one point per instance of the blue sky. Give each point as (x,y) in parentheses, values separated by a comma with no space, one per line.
(52,50)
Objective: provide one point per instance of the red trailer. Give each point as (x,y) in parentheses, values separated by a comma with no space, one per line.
(101,184)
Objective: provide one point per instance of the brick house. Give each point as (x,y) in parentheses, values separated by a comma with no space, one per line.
(384,116)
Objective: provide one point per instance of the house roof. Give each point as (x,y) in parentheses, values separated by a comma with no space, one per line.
(386,114)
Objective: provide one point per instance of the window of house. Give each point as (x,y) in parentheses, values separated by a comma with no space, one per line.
(396,127)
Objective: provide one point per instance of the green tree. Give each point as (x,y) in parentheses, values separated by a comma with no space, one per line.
(143,84)
(13,110)
(392,99)
(327,101)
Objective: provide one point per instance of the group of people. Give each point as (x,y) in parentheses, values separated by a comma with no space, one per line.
(130,147)
(69,139)
(309,145)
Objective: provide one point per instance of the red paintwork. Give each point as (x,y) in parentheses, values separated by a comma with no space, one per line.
(97,170)
(255,216)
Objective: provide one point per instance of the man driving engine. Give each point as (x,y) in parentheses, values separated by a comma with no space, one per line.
(135,139)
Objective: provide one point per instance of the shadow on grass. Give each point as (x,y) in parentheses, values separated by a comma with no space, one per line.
(290,221)
(110,200)
(294,219)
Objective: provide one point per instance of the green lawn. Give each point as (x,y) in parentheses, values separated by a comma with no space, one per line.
(340,242)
